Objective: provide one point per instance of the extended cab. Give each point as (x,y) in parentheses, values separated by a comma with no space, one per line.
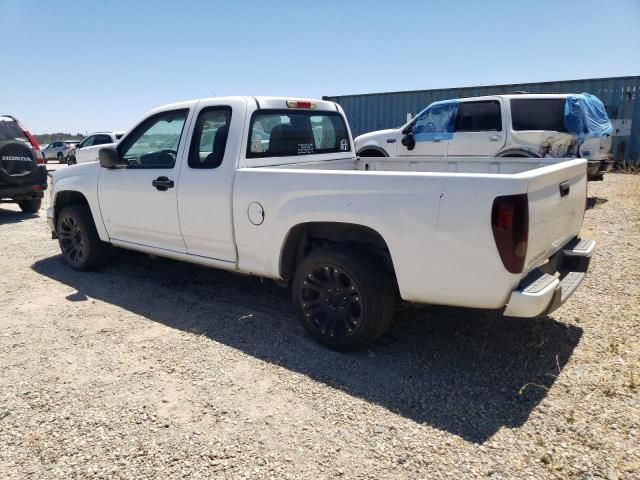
(518,125)
(272,187)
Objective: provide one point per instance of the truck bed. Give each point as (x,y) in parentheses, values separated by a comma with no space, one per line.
(434,214)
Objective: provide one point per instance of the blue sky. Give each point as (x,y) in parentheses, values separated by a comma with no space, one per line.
(90,65)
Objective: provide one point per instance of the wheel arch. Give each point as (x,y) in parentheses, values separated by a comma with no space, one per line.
(517,153)
(66,198)
(302,238)
(373,148)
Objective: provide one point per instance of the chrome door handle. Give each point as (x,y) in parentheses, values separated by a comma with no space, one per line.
(495,138)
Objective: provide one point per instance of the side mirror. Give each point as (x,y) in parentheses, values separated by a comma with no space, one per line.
(109,158)
(408,141)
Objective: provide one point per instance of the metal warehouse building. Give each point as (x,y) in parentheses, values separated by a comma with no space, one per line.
(621,95)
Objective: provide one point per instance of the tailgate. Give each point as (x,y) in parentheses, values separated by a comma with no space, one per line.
(557,196)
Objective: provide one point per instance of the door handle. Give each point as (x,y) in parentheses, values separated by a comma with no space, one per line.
(436,140)
(162,183)
(495,138)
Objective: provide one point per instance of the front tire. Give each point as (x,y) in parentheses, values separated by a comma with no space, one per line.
(79,241)
(71,160)
(343,297)
(30,206)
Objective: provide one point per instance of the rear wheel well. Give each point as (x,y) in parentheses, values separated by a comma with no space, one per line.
(66,198)
(307,237)
(518,153)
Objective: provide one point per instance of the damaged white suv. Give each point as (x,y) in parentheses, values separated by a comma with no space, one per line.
(516,125)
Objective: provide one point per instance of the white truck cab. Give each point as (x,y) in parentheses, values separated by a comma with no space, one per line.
(272,187)
(517,125)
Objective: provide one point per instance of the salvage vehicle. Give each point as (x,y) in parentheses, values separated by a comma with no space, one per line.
(517,125)
(194,182)
(23,176)
(87,150)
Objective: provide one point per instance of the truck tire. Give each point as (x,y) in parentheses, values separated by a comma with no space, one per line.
(30,206)
(343,297)
(78,238)
(60,158)
(71,160)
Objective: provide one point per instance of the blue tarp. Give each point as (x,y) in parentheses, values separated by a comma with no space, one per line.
(436,122)
(586,117)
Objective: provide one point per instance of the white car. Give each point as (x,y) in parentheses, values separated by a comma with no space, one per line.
(349,234)
(518,125)
(58,150)
(87,150)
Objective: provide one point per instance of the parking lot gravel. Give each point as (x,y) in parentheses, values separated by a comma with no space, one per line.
(157,369)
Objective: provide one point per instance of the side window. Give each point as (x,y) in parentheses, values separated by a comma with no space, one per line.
(154,143)
(483,116)
(87,142)
(538,114)
(102,140)
(438,118)
(210,137)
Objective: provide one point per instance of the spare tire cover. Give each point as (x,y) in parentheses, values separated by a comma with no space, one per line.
(17,160)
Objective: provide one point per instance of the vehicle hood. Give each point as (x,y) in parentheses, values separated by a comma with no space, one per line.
(74,170)
(374,136)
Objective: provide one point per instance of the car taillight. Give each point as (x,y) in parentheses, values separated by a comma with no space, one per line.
(510,225)
(33,142)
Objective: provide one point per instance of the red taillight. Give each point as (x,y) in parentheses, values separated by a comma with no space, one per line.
(510,225)
(33,142)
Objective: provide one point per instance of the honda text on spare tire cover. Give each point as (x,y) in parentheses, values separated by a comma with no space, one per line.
(23,178)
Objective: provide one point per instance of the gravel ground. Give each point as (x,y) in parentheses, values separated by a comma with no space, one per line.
(157,369)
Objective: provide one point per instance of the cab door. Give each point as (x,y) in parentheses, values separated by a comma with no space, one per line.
(82,150)
(139,201)
(206,179)
(430,131)
(479,129)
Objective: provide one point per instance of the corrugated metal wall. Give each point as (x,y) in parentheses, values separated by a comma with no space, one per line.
(621,95)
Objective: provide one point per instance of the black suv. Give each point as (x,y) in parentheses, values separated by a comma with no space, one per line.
(23,177)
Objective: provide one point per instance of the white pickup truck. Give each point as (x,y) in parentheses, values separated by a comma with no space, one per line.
(272,187)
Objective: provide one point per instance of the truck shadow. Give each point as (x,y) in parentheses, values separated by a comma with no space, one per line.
(466,372)
(14,216)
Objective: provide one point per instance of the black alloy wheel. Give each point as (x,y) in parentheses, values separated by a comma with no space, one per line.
(331,300)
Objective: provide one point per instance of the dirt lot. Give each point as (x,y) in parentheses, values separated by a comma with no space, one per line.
(156,369)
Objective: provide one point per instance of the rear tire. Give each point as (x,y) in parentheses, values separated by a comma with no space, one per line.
(30,206)
(60,158)
(78,238)
(343,297)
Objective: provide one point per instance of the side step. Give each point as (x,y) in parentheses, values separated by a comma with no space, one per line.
(579,248)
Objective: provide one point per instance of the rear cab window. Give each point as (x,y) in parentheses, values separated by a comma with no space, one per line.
(538,114)
(280,133)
